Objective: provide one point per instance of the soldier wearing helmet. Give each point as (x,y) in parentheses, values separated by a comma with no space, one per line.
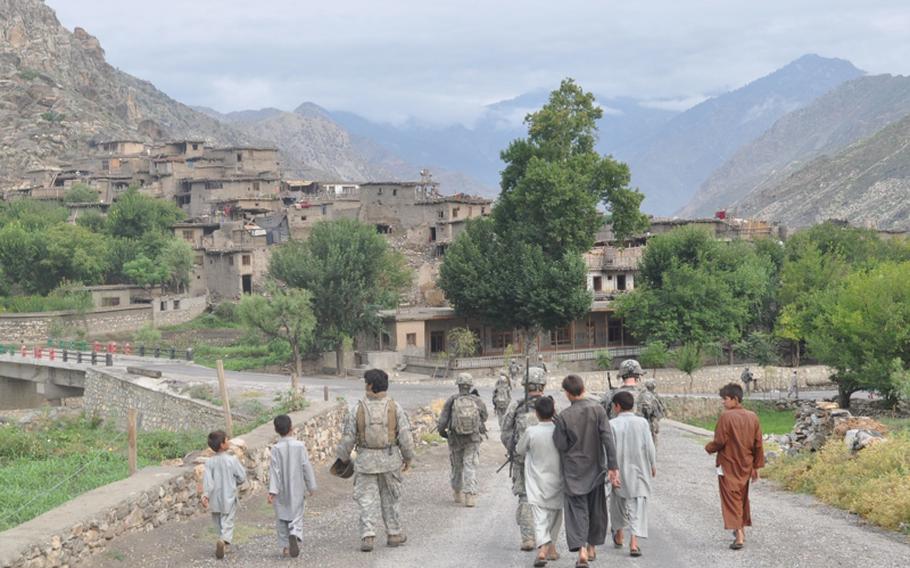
(629,371)
(518,418)
(462,424)
(651,407)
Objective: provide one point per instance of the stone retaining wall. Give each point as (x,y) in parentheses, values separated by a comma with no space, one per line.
(86,525)
(111,394)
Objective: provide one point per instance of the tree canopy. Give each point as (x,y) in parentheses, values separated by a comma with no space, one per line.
(351,272)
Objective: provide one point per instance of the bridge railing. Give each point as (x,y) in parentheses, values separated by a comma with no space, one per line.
(81,351)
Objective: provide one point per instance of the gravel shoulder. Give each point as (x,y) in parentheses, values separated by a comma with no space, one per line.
(686,527)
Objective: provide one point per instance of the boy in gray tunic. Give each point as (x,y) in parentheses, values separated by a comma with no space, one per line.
(223,473)
(291,479)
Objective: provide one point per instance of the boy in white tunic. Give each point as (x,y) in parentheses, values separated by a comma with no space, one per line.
(291,479)
(223,473)
(543,479)
(637,460)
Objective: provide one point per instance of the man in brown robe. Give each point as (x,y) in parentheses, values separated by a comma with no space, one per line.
(738,444)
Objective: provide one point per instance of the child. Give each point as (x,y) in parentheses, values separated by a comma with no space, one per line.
(291,477)
(223,473)
(543,479)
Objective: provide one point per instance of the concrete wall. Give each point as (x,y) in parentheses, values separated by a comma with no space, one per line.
(89,524)
(710,379)
(111,394)
(188,309)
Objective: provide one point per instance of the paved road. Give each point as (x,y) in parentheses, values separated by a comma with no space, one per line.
(686,529)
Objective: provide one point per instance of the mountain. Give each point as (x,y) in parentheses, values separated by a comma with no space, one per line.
(867,183)
(475,150)
(854,110)
(686,150)
(58,94)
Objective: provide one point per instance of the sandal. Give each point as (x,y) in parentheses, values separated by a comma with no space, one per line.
(581,564)
(636,552)
(737,545)
(540,562)
(616,543)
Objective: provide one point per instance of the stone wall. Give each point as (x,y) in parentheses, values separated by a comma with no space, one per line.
(88,525)
(110,395)
(190,307)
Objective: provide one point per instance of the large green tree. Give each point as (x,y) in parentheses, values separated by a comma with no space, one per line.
(862,329)
(134,215)
(351,272)
(282,313)
(692,288)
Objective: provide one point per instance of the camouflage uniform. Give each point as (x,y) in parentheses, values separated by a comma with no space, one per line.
(629,368)
(377,472)
(652,407)
(518,418)
(464,450)
(502,396)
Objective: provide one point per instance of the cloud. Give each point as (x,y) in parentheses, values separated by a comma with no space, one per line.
(444,60)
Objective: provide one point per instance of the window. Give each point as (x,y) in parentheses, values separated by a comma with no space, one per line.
(614,330)
(195,146)
(176,304)
(412,340)
(394,192)
(231,260)
(621,282)
(198,260)
(256,186)
(163,306)
(598,283)
(213,185)
(247,261)
(110,302)
(105,165)
(325,209)
(455,211)
(303,217)
(501,339)
(561,336)
(437,341)
(379,192)
(188,235)
(239,157)
(432,234)
(441,214)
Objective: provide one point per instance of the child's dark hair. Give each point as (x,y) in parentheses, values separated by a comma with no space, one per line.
(732,390)
(282,424)
(545,407)
(624,399)
(216,439)
(377,379)
(574,385)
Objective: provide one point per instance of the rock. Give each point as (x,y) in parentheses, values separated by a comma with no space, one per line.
(857,440)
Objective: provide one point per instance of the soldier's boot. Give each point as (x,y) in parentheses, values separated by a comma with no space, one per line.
(219,549)
(457,495)
(394,540)
(366,544)
(470,500)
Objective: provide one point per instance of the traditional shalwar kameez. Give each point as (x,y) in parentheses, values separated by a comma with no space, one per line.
(585,443)
(223,473)
(290,477)
(543,481)
(738,443)
(636,456)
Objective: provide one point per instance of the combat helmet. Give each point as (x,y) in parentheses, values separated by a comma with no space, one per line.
(536,377)
(464,379)
(651,384)
(630,368)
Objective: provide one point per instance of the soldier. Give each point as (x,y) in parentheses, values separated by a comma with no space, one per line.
(462,424)
(629,371)
(517,419)
(514,370)
(747,377)
(652,407)
(380,431)
(502,396)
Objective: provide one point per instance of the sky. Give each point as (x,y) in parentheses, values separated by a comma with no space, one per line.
(441,61)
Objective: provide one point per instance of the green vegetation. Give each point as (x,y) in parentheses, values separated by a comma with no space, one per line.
(248,353)
(462,342)
(874,483)
(654,355)
(80,193)
(44,468)
(61,299)
(39,250)
(53,116)
(523,268)
(28,74)
(773,420)
(284,315)
(351,273)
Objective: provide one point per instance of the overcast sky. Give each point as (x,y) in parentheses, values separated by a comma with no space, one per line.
(441,60)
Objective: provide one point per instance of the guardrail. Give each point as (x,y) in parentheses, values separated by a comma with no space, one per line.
(81,351)
(491,361)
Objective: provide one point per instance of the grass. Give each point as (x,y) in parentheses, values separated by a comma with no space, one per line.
(895,425)
(34,463)
(874,483)
(772,420)
(248,353)
(431,438)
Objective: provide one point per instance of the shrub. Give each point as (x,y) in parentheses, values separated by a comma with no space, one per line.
(147,335)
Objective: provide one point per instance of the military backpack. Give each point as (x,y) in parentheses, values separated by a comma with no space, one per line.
(465,416)
(377,424)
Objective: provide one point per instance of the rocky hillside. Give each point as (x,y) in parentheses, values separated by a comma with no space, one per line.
(57,93)
(854,110)
(867,183)
(684,153)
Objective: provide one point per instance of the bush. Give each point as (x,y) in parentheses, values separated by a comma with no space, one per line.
(147,335)
(874,483)
(80,193)
(53,116)
(27,304)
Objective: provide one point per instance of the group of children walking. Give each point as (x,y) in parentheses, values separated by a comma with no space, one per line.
(291,480)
